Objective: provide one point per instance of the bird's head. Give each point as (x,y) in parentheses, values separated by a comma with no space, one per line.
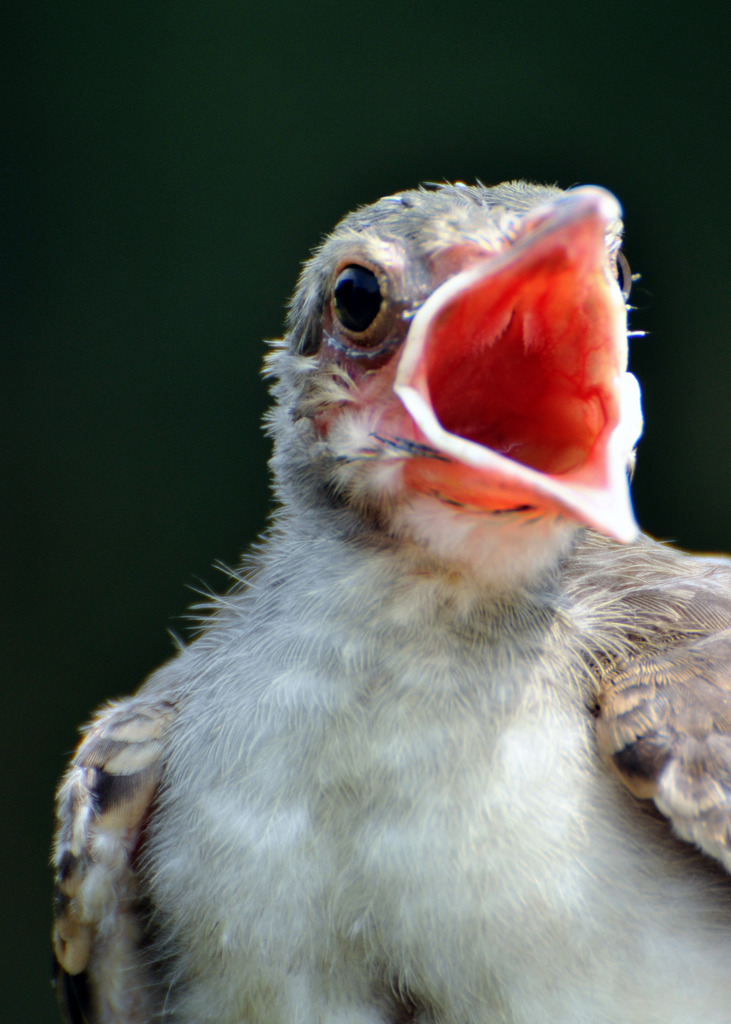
(455,376)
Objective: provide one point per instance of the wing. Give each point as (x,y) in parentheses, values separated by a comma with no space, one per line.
(665,725)
(102,805)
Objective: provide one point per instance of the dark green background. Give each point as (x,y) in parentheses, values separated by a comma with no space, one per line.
(166,166)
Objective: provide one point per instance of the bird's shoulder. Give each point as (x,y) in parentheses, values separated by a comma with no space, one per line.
(102,806)
(664,701)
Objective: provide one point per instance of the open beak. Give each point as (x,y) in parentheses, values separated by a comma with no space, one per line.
(514,372)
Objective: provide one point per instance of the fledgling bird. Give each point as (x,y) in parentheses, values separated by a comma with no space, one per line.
(456,748)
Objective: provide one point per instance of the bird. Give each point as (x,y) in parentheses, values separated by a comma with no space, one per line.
(455,745)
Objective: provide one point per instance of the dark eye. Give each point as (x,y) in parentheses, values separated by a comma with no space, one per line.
(358,298)
(624,275)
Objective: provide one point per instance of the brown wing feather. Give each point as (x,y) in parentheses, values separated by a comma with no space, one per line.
(102,805)
(665,724)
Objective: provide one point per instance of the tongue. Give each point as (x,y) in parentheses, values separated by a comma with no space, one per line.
(514,370)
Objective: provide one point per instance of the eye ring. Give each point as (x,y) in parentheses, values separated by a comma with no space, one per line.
(357,298)
(624,275)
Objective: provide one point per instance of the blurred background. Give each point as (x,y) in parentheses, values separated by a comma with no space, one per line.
(166,166)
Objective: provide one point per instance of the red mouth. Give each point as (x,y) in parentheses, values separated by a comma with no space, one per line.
(514,371)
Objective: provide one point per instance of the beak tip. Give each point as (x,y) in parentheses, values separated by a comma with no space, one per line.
(619,523)
(595,199)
